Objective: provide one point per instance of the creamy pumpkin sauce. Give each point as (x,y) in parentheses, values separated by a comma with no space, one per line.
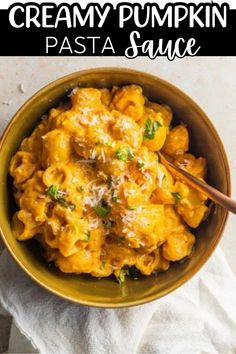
(90,188)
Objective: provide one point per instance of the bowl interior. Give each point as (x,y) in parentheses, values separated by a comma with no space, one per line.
(204,142)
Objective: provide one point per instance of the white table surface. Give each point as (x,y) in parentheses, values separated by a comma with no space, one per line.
(209,81)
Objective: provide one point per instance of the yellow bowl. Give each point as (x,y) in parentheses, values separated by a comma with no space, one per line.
(105,292)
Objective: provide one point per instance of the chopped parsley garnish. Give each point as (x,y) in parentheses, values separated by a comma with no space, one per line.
(124,153)
(102,209)
(107,143)
(103,142)
(109,181)
(140,164)
(150,129)
(130,154)
(58,196)
(83,237)
(122,275)
(109,224)
(121,238)
(52,191)
(80,189)
(114,197)
(177,197)
(65,204)
(103,265)
(132,208)
(87,236)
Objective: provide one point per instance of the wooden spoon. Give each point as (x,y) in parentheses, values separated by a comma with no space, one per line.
(212,193)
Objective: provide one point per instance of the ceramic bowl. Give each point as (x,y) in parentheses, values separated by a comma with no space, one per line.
(106,292)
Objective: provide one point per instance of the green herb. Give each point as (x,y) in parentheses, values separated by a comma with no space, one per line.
(87,236)
(114,197)
(82,237)
(140,164)
(156,125)
(105,143)
(52,191)
(177,197)
(80,189)
(109,224)
(122,275)
(123,154)
(150,129)
(130,154)
(103,264)
(58,196)
(131,208)
(102,209)
(109,181)
(65,204)
(121,238)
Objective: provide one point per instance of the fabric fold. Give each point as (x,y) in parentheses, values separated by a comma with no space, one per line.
(199,317)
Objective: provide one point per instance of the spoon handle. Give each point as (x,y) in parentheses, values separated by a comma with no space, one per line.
(212,193)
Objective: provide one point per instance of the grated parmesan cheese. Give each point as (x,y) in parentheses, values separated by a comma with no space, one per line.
(131,234)
(103,155)
(97,192)
(179,152)
(93,154)
(129,192)
(160,177)
(86,110)
(73,92)
(94,223)
(128,217)
(93,120)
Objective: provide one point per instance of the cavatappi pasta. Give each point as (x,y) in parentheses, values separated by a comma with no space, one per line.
(90,188)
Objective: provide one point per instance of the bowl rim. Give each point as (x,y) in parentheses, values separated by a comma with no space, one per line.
(207,121)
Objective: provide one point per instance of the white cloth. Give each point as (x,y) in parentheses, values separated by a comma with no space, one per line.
(199,317)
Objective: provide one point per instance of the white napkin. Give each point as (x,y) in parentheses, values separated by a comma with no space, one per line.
(200,317)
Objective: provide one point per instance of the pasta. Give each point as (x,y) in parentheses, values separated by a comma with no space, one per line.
(91,190)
